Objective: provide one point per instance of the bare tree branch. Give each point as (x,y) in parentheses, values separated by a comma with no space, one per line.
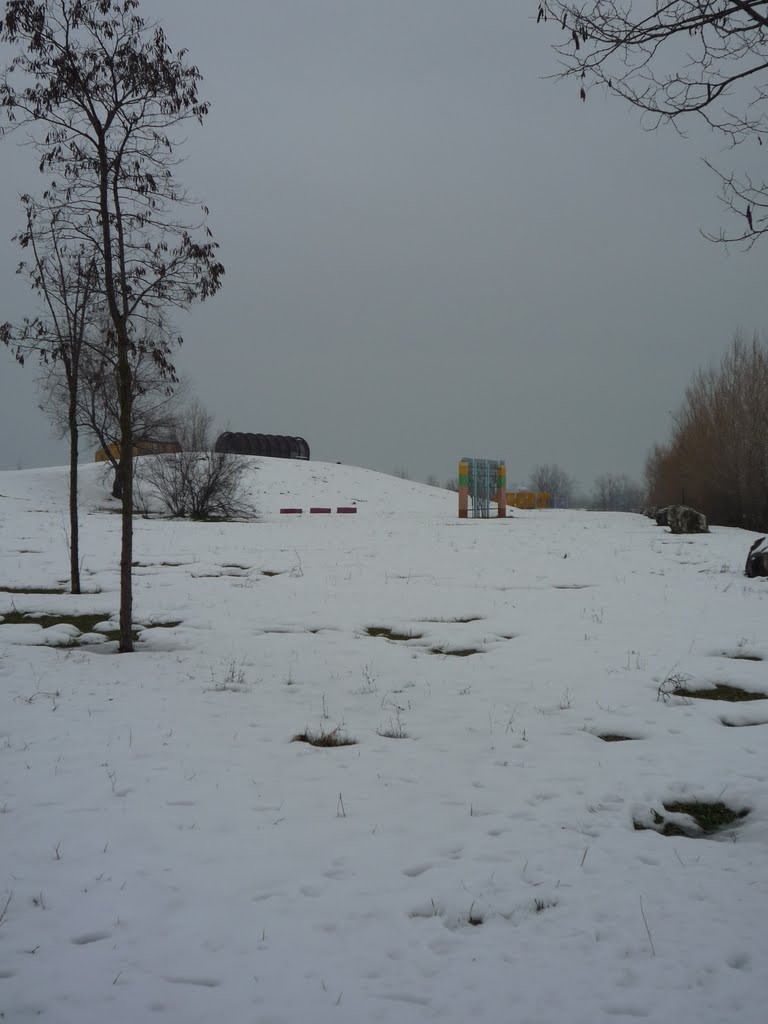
(674,60)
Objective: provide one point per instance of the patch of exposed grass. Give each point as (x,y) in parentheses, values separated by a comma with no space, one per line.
(84,623)
(669,827)
(321,738)
(34,590)
(722,691)
(153,565)
(271,572)
(391,634)
(109,634)
(711,817)
(455,652)
(744,657)
(678,685)
(455,618)
(613,737)
(214,575)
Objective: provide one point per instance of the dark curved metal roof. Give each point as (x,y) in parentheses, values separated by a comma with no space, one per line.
(276,446)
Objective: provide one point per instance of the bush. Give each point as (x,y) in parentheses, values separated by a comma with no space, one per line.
(197,482)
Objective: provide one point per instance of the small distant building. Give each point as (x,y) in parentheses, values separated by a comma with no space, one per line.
(112,451)
(528,499)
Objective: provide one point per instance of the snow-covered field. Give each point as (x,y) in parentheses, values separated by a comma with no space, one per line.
(168,854)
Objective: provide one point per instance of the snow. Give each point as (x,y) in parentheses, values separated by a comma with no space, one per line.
(171,855)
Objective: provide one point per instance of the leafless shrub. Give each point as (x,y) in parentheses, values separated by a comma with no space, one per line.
(395,728)
(198,482)
(673,685)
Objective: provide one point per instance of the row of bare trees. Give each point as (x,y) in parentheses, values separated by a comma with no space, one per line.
(100,94)
(717,456)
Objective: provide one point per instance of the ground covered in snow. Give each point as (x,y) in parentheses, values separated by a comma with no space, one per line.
(478,854)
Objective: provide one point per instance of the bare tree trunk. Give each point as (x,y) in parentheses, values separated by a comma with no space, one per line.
(117,483)
(126,482)
(117,312)
(74,519)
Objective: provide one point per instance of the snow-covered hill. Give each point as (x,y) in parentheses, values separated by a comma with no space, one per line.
(168,853)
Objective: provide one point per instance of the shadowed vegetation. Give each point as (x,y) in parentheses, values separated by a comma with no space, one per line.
(391,634)
(455,652)
(33,590)
(456,618)
(711,818)
(723,691)
(320,738)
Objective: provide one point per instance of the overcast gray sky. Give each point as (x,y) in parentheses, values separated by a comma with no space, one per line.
(431,251)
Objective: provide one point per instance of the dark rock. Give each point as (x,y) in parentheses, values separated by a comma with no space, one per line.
(684,519)
(757,560)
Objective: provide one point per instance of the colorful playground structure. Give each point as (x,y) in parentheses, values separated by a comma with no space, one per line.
(483,482)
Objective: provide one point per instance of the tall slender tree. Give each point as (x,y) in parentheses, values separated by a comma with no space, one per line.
(102,92)
(65,280)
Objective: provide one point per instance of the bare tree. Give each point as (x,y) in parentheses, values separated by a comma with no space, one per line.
(101,92)
(64,279)
(551,479)
(155,403)
(616,492)
(675,60)
(197,481)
